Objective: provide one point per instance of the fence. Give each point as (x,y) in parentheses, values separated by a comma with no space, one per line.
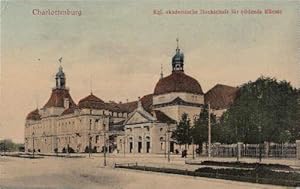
(271,150)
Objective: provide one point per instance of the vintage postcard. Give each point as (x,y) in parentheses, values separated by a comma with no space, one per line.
(149,94)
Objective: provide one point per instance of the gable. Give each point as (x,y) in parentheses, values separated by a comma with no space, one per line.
(137,118)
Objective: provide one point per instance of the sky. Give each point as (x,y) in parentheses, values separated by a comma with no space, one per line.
(116,49)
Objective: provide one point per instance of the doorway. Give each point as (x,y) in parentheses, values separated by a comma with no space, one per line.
(139,147)
(172,146)
(148,147)
(130,147)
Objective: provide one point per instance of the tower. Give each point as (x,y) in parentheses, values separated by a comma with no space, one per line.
(60,77)
(177,60)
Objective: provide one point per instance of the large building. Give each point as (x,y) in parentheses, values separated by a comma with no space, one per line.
(142,126)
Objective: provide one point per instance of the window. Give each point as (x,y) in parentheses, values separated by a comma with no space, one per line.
(97,138)
(161,129)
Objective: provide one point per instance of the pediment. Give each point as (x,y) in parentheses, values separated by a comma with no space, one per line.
(137,117)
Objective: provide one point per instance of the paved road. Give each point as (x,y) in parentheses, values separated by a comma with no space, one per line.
(65,173)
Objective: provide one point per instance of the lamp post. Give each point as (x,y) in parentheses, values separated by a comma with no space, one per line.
(259,145)
(237,144)
(209,132)
(168,131)
(166,144)
(193,148)
(68,146)
(260,127)
(56,141)
(33,144)
(90,145)
(124,143)
(104,163)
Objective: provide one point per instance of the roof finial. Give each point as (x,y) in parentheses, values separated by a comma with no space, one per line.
(60,60)
(91,84)
(37,101)
(177,40)
(161,71)
(140,106)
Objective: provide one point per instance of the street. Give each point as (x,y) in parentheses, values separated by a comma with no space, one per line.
(55,172)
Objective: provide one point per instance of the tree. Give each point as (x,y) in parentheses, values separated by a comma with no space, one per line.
(262,111)
(200,129)
(7,145)
(182,134)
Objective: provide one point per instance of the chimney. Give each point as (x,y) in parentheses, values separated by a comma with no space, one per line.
(66,103)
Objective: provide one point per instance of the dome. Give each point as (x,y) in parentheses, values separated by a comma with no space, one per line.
(34,115)
(91,101)
(177,82)
(178,57)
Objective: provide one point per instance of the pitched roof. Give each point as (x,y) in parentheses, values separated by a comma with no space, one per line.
(34,115)
(57,98)
(221,96)
(128,106)
(70,110)
(112,106)
(146,100)
(162,117)
(91,101)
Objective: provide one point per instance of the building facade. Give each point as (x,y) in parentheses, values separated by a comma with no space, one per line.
(142,126)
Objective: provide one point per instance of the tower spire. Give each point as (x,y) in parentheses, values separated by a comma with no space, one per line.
(91,84)
(178,59)
(60,76)
(161,71)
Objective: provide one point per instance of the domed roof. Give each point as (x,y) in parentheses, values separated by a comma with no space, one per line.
(34,115)
(91,101)
(178,57)
(178,81)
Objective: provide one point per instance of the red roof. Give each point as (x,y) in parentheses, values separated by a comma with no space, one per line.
(128,106)
(91,101)
(34,115)
(221,96)
(177,82)
(147,101)
(57,98)
(162,117)
(70,110)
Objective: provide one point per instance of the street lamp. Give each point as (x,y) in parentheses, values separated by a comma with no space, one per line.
(168,131)
(104,163)
(260,128)
(56,141)
(209,132)
(124,143)
(260,150)
(33,144)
